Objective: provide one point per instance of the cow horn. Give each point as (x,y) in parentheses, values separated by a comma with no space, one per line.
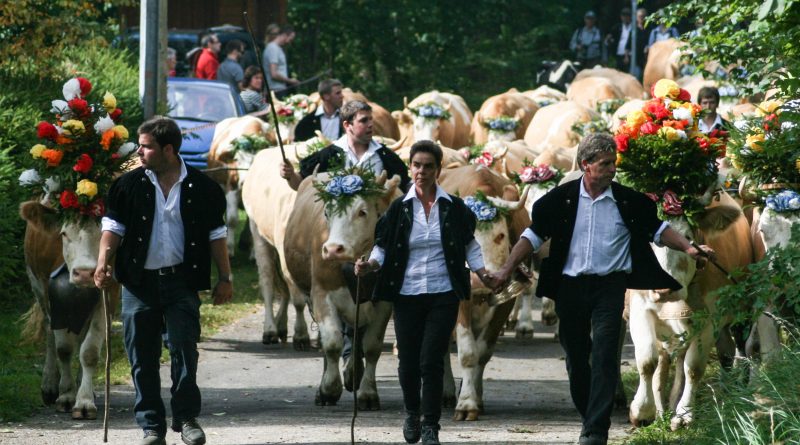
(447,106)
(745,190)
(511,205)
(399,144)
(314,173)
(381,179)
(501,152)
(506,171)
(405,102)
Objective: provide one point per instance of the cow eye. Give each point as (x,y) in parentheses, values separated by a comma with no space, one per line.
(362,213)
(64,236)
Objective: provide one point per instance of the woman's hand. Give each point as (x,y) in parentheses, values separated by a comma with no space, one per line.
(362,267)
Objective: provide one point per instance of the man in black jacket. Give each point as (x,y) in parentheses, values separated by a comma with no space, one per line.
(326,118)
(162,228)
(600,234)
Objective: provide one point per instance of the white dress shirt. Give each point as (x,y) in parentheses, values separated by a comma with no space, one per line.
(600,241)
(370,159)
(702,127)
(623,38)
(329,124)
(167,236)
(426,271)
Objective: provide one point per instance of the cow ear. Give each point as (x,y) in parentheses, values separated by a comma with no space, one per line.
(519,115)
(39,216)
(479,118)
(390,188)
(381,179)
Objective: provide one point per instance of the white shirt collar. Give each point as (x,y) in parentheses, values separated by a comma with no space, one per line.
(608,193)
(320,111)
(440,193)
(343,143)
(154,179)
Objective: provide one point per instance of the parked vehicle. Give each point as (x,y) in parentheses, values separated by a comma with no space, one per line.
(197,105)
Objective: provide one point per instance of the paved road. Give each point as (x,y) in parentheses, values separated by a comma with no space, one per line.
(254,394)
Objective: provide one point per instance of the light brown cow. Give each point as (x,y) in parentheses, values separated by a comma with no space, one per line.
(545,95)
(588,91)
(663,62)
(621,114)
(629,85)
(511,104)
(479,324)
(452,132)
(318,242)
(552,125)
(383,122)
(49,244)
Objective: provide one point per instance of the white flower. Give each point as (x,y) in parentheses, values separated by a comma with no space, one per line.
(683,114)
(741,125)
(785,126)
(59,106)
(71,89)
(486,213)
(351,184)
(103,124)
(681,134)
(794,203)
(51,185)
(126,149)
(29,177)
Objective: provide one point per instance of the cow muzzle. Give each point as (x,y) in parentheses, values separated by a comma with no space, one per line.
(336,252)
(82,277)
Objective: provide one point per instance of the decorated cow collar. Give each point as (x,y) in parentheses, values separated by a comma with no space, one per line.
(783,202)
(430,110)
(543,175)
(343,186)
(485,211)
(501,124)
(249,143)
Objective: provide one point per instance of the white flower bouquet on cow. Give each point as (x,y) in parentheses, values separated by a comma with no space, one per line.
(343,185)
(660,152)
(77,155)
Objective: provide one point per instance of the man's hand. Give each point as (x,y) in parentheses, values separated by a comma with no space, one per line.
(362,267)
(500,279)
(702,254)
(103,276)
(223,292)
(288,173)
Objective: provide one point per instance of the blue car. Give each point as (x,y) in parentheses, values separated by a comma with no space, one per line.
(197,105)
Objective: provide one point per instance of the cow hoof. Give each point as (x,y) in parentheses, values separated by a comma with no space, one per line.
(448,401)
(524,333)
(472,415)
(49,397)
(84,413)
(64,404)
(283,335)
(679,422)
(460,416)
(325,399)
(348,374)
(269,338)
(511,325)
(640,423)
(371,403)
(301,344)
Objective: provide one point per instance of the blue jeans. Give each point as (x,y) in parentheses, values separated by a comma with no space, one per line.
(163,301)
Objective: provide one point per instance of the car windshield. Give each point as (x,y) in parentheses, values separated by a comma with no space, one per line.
(200,101)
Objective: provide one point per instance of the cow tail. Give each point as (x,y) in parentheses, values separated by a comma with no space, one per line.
(33,330)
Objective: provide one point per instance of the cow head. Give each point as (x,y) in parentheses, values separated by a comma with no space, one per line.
(678,264)
(80,240)
(351,232)
(507,135)
(429,129)
(494,238)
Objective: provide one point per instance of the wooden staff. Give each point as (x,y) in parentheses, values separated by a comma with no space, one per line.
(107,313)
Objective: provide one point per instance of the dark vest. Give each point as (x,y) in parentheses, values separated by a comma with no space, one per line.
(334,155)
(309,124)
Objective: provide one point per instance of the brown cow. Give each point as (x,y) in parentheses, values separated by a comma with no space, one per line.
(452,132)
(663,62)
(511,104)
(627,84)
(383,122)
(588,91)
(552,125)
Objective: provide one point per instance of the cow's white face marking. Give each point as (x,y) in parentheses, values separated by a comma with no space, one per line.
(426,129)
(776,228)
(80,246)
(678,264)
(351,233)
(502,136)
(494,244)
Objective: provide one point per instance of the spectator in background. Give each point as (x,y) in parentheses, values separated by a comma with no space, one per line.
(275,66)
(642,35)
(252,87)
(708,98)
(618,38)
(661,32)
(326,118)
(207,63)
(229,70)
(172,61)
(585,42)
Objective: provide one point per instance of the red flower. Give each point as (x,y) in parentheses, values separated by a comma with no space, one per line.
(46,130)
(96,208)
(719,134)
(703,143)
(115,115)
(86,86)
(285,112)
(69,199)
(770,122)
(79,106)
(657,109)
(672,205)
(649,128)
(114,156)
(684,96)
(83,164)
(653,196)
(622,142)
(486,159)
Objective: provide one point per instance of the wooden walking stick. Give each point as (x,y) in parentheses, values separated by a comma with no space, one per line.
(107,314)
(357,354)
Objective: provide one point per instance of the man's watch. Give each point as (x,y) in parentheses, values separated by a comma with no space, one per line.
(224,278)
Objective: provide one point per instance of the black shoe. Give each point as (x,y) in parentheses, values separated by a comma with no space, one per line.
(152,437)
(411,428)
(430,435)
(593,439)
(191,433)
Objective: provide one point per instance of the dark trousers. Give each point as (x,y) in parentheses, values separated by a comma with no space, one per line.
(423,324)
(162,302)
(589,309)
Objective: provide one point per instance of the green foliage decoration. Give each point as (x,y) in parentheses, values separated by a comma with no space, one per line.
(343,186)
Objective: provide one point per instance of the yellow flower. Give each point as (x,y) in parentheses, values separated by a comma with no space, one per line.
(755,141)
(109,102)
(735,162)
(121,132)
(37,150)
(768,106)
(669,133)
(636,118)
(73,127)
(87,188)
(667,88)
(797,164)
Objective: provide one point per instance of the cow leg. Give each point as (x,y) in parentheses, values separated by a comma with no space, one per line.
(513,319)
(372,342)
(549,317)
(524,327)
(678,381)
(282,316)
(267,282)
(642,326)
(467,405)
(448,383)
(232,218)
(768,337)
(694,368)
(300,339)
(659,382)
(50,374)
(65,346)
(90,356)
(726,348)
(330,328)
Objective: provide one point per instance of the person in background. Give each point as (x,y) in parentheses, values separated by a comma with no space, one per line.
(618,38)
(708,98)
(170,217)
(585,42)
(229,70)
(275,63)
(252,90)
(421,245)
(326,118)
(661,33)
(642,35)
(207,63)
(172,61)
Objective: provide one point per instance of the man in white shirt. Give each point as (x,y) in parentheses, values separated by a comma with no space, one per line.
(275,63)
(708,98)
(600,236)
(327,117)
(170,217)
(618,38)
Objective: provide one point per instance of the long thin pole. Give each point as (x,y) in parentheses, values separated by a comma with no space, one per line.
(107,317)
(265,85)
(357,355)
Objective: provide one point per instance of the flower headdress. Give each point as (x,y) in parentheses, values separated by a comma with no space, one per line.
(661,152)
(766,148)
(343,186)
(542,175)
(430,110)
(76,157)
(485,211)
(249,143)
(501,123)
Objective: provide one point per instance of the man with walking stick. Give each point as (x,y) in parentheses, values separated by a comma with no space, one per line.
(163,226)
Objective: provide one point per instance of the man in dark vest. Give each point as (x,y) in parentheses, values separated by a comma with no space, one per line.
(600,234)
(163,227)
(327,117)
